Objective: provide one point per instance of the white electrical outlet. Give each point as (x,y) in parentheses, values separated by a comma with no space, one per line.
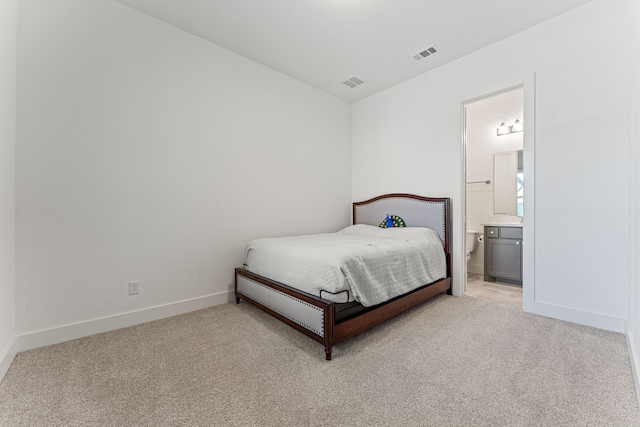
(134,287)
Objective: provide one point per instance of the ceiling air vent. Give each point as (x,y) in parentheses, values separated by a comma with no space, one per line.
(354,82)
(425,53)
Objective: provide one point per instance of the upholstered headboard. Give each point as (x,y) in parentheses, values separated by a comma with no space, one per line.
(416,211)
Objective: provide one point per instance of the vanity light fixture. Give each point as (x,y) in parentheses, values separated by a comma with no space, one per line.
(517,126)
(506,130)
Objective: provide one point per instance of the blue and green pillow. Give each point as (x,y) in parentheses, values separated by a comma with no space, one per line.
(392,221)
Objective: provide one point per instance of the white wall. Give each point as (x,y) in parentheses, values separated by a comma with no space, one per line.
(145,153)
(482,142)
(408,138)
(633,327)
(8,33)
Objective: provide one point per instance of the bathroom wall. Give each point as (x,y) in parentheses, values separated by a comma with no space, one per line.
(483,118)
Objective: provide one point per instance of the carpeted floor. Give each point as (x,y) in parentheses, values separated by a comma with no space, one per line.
(449,362)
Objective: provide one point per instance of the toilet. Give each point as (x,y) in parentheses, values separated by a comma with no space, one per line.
(472,242)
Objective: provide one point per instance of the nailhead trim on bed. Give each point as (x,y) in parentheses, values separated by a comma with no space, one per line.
(319,310)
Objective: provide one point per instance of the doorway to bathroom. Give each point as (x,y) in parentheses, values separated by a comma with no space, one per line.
(494,196)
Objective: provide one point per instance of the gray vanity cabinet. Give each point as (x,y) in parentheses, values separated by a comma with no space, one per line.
(503,254)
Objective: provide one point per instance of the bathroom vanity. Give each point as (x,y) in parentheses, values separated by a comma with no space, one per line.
(503,253)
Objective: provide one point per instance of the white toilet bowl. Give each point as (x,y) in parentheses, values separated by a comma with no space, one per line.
(472,242)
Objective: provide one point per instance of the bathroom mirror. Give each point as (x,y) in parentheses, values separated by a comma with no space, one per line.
(520,185)
(508,187)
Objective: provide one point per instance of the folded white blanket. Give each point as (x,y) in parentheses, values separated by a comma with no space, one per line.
(361,263)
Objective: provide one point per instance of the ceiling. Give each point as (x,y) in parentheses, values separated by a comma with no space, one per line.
(325,42)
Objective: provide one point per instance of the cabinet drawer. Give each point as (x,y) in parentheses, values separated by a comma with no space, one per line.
(493,232)
(511,232)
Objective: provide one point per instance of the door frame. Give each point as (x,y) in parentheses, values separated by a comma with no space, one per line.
(528,248)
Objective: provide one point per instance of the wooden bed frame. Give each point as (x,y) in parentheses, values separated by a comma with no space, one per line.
(317,317)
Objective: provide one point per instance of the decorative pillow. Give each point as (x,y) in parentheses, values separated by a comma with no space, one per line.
(392,221)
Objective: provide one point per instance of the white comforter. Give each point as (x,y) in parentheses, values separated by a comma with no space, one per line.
(361,263)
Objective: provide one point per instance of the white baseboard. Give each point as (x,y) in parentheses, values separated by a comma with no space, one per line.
(634,360)
(74,331)
(6,357)
(587,318)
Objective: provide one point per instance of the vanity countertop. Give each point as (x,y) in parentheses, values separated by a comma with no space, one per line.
(502,224)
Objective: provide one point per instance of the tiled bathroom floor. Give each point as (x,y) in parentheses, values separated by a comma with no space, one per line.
(493,291)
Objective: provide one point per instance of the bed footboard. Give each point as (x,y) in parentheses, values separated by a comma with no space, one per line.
(307,313)
(314,316)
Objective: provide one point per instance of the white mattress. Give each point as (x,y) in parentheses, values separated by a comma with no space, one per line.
(361,263)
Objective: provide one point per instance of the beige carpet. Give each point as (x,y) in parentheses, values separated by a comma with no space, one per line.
(449,362)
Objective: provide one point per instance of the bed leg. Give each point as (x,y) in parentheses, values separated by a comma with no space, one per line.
(237,300)
(327,352)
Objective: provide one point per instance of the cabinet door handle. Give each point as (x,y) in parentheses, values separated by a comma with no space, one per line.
(517,243)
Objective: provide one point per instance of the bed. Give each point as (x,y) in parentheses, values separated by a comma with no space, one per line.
(335,315)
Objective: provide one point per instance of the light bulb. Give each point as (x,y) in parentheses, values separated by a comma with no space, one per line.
(517,126)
